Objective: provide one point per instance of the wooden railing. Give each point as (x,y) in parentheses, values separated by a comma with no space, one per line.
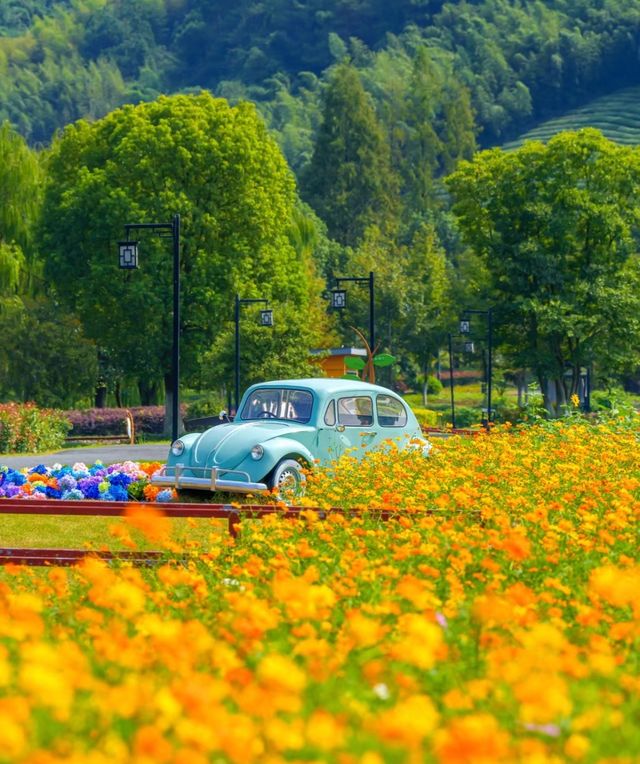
(233,514)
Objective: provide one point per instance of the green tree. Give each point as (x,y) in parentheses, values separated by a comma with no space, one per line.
(20,197)
(47,357)
(428,295)
(555,224)
(436,128)
(350,181)
(216,166)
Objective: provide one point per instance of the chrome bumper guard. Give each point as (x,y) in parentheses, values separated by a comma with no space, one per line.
(174,477)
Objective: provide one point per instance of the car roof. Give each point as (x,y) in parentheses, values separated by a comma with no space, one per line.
(328,385)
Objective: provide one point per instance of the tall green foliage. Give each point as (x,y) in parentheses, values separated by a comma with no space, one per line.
(46,356)
(518,61)
(218,168)
(350,181)
(20,194)
(555,225)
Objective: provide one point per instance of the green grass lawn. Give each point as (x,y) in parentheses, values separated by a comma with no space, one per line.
(42,532)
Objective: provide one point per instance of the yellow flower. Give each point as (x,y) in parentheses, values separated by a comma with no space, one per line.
(576,747)
(323,731)
(408,722)
(419,641)
(280,674)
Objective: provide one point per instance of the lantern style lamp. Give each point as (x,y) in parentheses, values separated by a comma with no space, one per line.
(128,254)
(338,299)
(266,318)
(465,326)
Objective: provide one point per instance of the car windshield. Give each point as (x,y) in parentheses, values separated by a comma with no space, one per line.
(278,403)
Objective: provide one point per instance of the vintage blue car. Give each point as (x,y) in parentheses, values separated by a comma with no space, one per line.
(283,428)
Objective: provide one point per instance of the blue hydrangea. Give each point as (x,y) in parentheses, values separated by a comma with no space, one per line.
(165,495)
(74,495)
(120,479)
(67,482)
(89,487)
(118,493)
(17,478)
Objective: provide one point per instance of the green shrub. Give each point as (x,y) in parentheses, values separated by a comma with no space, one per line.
(24,428)
(434,386)
(508,412)
(466,416)
(427,417)
(613,403)
(207,406)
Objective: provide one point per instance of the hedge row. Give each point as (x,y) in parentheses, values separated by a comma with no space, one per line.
(112,421)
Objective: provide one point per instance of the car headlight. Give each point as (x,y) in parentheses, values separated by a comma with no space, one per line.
(257,452)
(177,447)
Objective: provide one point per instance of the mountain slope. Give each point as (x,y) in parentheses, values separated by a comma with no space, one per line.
(617,115)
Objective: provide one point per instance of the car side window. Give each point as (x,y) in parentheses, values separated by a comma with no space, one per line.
(356,411)
(330,414)
(391,412)
(299,406)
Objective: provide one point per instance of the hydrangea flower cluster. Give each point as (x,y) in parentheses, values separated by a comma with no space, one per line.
(116,482)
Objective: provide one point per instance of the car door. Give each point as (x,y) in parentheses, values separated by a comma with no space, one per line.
(392,419)
(332,441)
(348,424)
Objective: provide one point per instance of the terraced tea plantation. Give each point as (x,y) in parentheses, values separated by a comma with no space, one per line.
(617,115)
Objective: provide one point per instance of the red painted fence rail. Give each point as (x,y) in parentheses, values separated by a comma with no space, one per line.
(88,508)
(233,514)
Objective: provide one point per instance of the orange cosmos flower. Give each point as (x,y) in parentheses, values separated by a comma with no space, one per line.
(150,521)
(474,739)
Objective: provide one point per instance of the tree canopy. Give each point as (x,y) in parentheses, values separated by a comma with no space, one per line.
(350,181)
(216,166)
(555,224)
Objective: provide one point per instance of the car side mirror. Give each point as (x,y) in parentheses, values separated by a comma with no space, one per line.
(223,415)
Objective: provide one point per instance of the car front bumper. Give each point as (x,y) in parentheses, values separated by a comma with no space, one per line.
(205,479)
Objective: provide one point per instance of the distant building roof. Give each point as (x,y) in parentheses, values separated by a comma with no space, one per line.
(339,351)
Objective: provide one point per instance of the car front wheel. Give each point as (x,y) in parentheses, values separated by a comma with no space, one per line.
(288,480)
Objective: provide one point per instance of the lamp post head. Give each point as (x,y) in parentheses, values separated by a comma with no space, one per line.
(469,347)
(266,317)
(338,299)
(465,326)
(128,254)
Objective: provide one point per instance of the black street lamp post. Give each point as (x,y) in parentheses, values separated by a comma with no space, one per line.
(465,328)
(128,258)
(339,301)
(453,405)
(266,319)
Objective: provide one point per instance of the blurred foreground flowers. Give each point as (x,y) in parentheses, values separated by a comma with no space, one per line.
(497,619)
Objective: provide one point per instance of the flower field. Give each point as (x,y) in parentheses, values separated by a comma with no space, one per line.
(116,482)
(496,619)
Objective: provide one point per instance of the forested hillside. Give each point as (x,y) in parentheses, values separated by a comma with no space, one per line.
(374,106)
(521,61)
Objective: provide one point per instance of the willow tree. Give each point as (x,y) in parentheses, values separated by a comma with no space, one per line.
(20,196)
(217,167)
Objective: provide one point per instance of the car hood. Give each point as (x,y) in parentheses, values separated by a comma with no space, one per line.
(228,444)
